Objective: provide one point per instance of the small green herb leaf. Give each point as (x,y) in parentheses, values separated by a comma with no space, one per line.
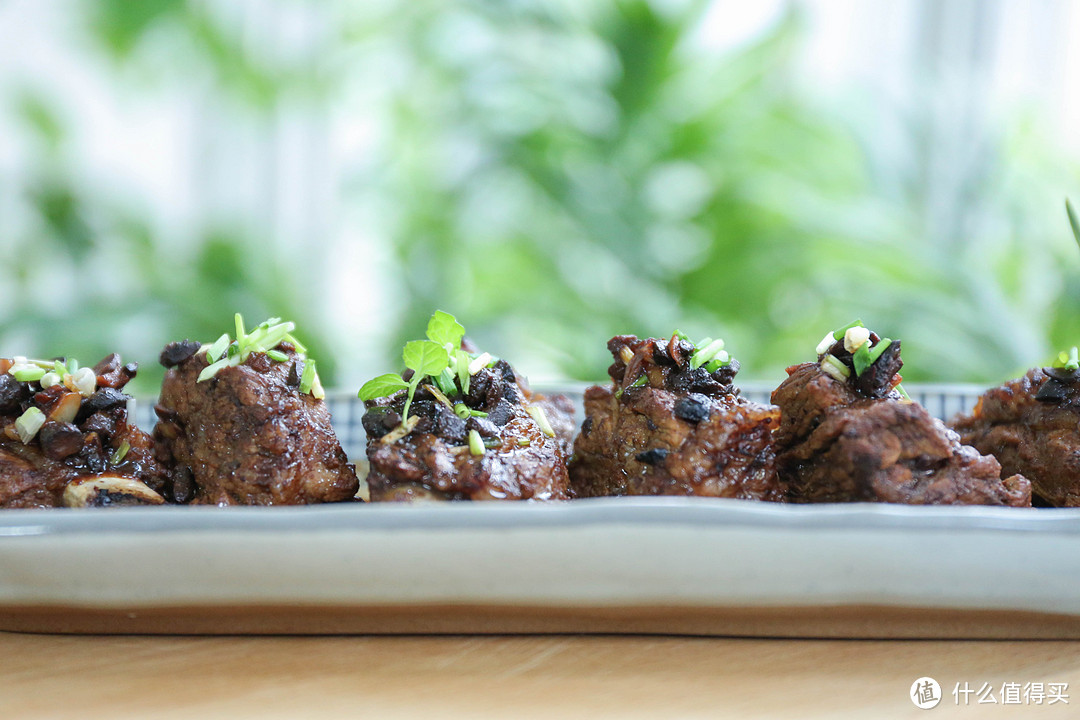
(381,386)
(444,329)
(425,357)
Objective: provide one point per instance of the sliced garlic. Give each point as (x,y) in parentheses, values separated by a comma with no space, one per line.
(855,337)
(85,381)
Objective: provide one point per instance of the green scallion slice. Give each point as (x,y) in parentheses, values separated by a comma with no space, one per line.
(121,453)
(28,424)
(300,347)
(218,348)
(706,352)
(277,355)
(212,369)
(27,373)
(838,370)
(462,411)
(838,334)
(307,378)
(537,413)
(445,381)
(476,443)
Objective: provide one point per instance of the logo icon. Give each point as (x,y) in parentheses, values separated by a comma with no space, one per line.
(925,693)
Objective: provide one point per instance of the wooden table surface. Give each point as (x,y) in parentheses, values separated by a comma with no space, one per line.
(511,676)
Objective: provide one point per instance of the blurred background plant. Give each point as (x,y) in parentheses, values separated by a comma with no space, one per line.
(551,172)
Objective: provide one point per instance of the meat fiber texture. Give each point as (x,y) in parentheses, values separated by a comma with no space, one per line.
(836,446)
(1039,439)
(434,462)
(248,436)
(35,475)
(684,432)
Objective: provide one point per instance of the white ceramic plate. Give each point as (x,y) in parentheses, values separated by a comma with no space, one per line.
(668,565)
(608,565)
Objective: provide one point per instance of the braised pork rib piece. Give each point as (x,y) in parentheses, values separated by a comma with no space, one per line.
(249,431)
(847,434)
(672,424)
(1032,426)
(462,425)
(66,440)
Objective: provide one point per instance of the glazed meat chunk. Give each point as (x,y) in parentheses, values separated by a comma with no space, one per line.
(1032,426)
(671,425)
(251,433)
(473,432)
(848,435)
(66,439)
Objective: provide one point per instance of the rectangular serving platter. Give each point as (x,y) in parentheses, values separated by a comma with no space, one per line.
(670,565)
(656,565)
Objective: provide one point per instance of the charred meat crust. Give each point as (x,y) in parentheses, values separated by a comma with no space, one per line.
(1031,426)
(433,461)
(837,446)
(683,431)
(246,437)
(34,475)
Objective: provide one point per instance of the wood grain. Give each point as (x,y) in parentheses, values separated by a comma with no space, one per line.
(508,676)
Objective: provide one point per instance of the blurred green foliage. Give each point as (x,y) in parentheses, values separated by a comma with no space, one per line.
(555,173)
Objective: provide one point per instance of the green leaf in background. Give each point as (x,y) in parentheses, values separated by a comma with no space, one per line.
(424,357)
(444,329)
(382,386)
(1073,221)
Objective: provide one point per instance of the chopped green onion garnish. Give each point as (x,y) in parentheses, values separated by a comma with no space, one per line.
(476,443)
(218,348)
(832,366)
(838,334)
(462,360)
(300,347)
(28,424)
(464,412)
(59,368)
(680,334)
(27,373)
(479,363)
(445,381)
(238,318)
(264,338)
(866,356)
(540,417)
(212,369)
(120,453)
(707,351)
(307,378)
(903,393)
(524,442)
